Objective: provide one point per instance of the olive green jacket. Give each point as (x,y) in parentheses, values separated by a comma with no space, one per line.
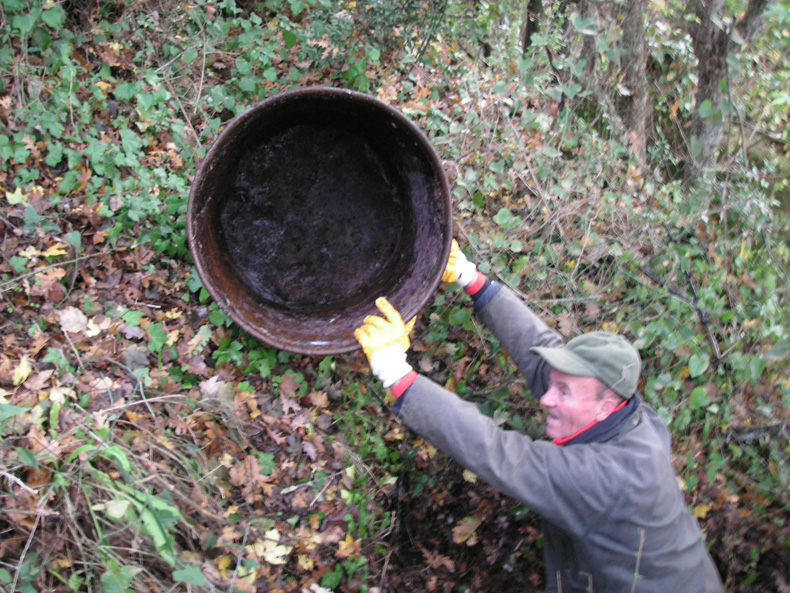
(614,517)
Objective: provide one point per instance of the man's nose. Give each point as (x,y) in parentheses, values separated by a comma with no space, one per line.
(547,399)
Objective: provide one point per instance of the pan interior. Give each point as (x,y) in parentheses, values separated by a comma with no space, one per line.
(314,219)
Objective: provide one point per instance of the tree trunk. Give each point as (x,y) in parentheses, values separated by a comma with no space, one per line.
(531,22)
(621,90)
(634,107)
(712,44)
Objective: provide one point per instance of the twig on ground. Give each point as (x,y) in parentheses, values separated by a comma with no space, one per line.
(752,433)
(21,562)
(3,285)
(18,482)
(136,378)
(73,349)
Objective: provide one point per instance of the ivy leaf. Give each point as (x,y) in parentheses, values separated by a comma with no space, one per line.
(706,109)
(191,575)
(158,337)
(698,364)
(699,398)
(290,39)
(506,218)
(118,579)
(780,351)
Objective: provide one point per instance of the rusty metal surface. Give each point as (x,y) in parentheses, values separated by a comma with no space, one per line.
(309,206)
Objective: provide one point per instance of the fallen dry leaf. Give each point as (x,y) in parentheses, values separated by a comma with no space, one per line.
(464,531)
(270,549)
(22,371)
(73,320)
(348,547)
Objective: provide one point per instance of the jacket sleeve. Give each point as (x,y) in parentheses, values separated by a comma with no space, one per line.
(519,329)
(562,484)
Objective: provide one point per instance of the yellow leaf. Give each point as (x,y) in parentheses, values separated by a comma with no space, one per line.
(270,548)
(55,249)
(92,330)
(172,337)
(16,197)
(223,563)
(29,252)
(745,252)
(22,371)
(701,511)
(305,563)
(469,476)
(174,314)
(58,395)
(348,547)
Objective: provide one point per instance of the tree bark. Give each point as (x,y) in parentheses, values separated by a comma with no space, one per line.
(713,42)
(634,107)
(531,22)
(621,90)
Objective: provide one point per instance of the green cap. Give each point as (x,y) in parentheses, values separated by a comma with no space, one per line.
(608,357)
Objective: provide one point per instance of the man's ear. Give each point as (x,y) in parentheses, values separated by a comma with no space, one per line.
(608,404)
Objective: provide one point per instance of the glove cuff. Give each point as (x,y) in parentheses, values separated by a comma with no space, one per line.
(467,273)
(477,284)
(389,365)
(402,385)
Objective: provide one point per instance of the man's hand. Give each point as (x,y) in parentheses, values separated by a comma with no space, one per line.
(459,269)
(385,341)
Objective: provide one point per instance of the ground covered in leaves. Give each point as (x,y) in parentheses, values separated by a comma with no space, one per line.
(148,442)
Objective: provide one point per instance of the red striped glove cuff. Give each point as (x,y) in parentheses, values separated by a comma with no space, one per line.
(403,384)
(476,285)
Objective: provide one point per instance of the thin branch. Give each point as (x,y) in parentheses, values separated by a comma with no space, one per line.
(18,482)
(21,562)
(136,378)
(3,285)
(752,433)
(184,113)
(74,349)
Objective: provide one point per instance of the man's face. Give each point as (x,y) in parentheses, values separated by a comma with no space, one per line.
(572,404)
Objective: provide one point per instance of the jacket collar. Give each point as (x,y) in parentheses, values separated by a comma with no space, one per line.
(600,432)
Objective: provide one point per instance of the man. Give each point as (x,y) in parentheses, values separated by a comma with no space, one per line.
(614,516)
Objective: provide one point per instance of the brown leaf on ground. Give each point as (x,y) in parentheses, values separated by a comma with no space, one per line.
(464,531)
(73,320)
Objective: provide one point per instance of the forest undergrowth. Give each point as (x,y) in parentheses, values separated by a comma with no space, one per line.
(150,444)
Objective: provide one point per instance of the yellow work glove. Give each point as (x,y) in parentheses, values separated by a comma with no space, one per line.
(385,341)
(459,269)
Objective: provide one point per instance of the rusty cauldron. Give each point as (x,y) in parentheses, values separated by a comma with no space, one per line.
(309,206)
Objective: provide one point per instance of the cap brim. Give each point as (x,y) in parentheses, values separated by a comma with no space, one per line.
(565,361)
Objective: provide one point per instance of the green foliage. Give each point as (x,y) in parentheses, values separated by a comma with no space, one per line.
(108,109)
